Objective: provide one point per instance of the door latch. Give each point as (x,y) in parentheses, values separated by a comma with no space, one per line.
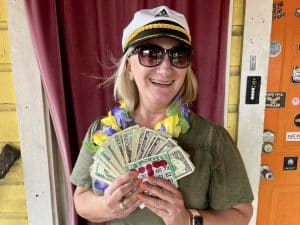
(268,141)
(266,173)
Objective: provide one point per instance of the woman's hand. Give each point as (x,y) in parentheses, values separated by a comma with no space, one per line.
(167,201)
(121,196)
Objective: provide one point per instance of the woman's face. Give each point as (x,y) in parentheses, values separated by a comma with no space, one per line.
(158,85)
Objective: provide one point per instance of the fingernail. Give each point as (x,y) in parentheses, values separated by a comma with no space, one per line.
(134,172)
(150,178)
(138,181)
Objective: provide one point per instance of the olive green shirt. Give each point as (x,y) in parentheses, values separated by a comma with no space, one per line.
(219,180)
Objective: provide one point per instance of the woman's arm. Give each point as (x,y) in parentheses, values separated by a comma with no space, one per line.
(90,206)
(107,207)
(237,215)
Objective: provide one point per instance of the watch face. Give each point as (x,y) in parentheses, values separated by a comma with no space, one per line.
(198,220)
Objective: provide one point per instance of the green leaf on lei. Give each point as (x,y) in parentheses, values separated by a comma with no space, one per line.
(90,146)
(185,126)
(174,108)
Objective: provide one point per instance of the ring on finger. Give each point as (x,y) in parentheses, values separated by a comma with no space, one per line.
(122,206)
(131,192)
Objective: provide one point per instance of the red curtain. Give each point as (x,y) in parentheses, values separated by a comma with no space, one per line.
(75,41)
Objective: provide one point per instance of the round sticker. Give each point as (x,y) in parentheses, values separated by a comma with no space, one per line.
(297,120)
(295,101)
(275,48)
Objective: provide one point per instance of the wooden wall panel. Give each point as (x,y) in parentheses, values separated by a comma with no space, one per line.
(12,194)
(8,126)
(4,47)
(7,93)
(235,67)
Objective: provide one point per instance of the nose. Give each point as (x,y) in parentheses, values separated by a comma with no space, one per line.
(165,67)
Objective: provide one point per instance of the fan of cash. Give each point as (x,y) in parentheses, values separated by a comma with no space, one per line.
(149,152)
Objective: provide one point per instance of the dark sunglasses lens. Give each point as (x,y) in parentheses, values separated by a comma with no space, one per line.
(150,55)
(180,56)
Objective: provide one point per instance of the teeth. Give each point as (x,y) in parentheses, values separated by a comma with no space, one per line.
(162,82)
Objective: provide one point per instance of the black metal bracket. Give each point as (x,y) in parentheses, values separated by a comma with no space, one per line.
(8,156)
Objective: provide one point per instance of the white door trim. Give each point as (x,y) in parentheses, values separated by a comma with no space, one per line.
(257,32)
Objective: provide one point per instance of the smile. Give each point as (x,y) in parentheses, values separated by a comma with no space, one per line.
(160,82)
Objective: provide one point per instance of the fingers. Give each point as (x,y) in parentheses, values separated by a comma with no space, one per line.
(121,180)
(162,183)
(121,195)
(162,198)
(126,207)
(132,201)
(157,206)
(166,191)
(128,204)
(124,190)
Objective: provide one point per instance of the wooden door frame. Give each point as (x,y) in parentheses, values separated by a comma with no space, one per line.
(256,41)
(35,125)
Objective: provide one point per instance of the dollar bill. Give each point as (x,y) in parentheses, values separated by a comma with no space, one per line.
(107,161)
(116,157)
(116,143)
(143,143)
(167,146)
(127,137)
(153,147)
(183,165)
(137,140)
(102,174)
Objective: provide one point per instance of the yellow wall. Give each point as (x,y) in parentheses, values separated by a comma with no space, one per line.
(12,197)
(235,66)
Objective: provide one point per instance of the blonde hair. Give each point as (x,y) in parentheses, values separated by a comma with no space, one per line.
(126,89)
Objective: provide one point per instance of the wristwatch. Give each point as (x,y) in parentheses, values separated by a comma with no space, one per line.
(196,218)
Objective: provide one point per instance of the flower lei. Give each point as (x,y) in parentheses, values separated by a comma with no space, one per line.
(118,119)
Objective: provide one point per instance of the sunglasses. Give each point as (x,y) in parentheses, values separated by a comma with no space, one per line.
(152,55)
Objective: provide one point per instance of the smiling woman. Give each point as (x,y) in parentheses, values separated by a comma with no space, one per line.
(201,177)
(157,85)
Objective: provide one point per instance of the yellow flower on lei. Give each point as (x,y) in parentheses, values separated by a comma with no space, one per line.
(170,124)
(122,104)
(110,121)
(99,138)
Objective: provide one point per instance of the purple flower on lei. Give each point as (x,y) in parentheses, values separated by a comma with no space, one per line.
(185,111)
(108,130)
(121,116)
(100,185)
(163,128)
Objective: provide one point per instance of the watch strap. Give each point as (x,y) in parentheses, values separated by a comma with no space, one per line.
(196,218)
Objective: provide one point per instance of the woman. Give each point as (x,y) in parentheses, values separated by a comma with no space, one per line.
(154,74)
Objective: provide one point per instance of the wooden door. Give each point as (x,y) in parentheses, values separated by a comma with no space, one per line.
(279,193)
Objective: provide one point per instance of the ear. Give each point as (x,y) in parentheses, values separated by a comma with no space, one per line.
(129,71)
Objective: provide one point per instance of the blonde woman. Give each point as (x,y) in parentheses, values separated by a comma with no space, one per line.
(154,75)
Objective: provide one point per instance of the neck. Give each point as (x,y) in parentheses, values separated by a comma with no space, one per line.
(149,116)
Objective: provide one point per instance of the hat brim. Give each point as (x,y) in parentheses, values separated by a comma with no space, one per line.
(163,35)
(159,33)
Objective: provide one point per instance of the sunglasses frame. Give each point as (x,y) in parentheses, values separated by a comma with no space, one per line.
(138,49)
